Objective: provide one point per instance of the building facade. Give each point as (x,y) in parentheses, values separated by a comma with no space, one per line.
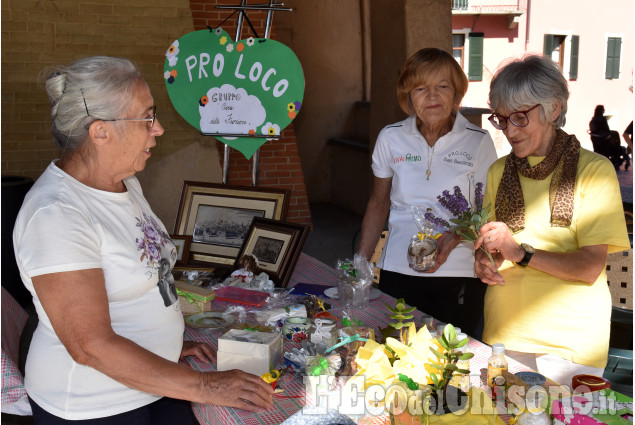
(591,41)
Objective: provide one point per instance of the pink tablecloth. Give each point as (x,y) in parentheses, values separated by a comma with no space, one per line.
(292,400)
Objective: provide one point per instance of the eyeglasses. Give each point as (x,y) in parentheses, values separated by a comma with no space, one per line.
(518,118)
(150,119)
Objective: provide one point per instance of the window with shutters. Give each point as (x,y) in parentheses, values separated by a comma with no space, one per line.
(458,48)
(475,56)
(613,53)
(563,50)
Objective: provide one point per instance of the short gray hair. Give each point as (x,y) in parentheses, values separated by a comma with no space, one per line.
(531,80)
(89,89)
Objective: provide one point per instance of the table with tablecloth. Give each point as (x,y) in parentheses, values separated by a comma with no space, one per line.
(310,270)
(14,398)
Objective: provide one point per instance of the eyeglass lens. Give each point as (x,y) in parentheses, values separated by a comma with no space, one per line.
(154,116)
(518,118)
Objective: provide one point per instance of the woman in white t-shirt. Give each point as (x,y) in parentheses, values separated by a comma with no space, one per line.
(97,262)
(414,161)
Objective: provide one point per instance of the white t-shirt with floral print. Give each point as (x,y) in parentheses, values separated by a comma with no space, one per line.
(64,225)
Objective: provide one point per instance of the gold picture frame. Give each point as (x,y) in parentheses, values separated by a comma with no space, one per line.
(218,216)
(182,243)
(276,245)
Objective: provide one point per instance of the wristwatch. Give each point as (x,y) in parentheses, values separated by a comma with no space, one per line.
(529,252)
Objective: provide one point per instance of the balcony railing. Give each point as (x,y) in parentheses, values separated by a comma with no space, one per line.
(489,6)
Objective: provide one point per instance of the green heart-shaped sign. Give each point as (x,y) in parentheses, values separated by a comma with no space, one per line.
(249,87)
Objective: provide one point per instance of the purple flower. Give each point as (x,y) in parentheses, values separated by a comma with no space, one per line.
(478,196)
(153,252)
(437,221)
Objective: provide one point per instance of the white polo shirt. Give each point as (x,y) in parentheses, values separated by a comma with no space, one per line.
(460,158)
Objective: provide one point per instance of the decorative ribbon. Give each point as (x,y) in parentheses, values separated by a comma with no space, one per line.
(348,266)
(319,301)
(190,297)
(322,330)
(412,385)
(422,236)
(347,322)
(269,377)
(322,366)
(345,341)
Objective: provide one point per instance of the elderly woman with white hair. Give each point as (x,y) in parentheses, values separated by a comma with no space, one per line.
(558,212)
(97,261)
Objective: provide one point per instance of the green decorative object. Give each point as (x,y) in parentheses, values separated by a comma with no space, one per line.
(447,364)
(251,87)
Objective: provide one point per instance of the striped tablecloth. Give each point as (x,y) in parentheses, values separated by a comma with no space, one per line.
(289,402)
(13,319)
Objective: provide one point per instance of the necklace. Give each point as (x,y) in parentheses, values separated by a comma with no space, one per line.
(430,156)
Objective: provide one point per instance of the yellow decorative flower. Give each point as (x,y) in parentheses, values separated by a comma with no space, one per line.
(223,40)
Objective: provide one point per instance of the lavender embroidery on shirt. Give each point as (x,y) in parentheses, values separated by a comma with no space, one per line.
(150,243)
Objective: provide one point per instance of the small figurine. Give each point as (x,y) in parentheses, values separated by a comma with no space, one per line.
(246,277)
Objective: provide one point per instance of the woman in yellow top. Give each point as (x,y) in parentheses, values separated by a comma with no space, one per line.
(558,212)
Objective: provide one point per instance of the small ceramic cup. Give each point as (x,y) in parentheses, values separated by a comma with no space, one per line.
(296,329)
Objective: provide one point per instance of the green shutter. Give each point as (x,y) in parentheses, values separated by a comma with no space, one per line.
(475,69)
(548,45)
(613,57)
(573,67)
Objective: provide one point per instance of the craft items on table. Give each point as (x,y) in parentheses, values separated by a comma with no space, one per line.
(193,298)
(249,351)
(271,316)
(247,275)
(296,329)
(241,295)
(209,320)
(354,281)
(361,334)
(323,332)
(591,408)
(271,377)
(313,360)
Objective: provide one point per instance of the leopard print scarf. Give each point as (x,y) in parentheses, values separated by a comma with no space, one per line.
(562,160)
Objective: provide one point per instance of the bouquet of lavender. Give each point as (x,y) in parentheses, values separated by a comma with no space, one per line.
(468,218)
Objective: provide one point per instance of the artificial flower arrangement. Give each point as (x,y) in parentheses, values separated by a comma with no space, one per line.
(468,218)
(414,365)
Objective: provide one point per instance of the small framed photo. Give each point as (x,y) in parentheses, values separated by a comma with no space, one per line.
(218,216)
(182,249)
(276,245)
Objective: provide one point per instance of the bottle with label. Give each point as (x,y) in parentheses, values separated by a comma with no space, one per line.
(462,381)
(496,364)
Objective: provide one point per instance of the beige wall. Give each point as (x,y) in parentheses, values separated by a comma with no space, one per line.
(345,61)
(326,37)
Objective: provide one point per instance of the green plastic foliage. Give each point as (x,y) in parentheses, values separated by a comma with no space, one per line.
(251,87)
(448,360)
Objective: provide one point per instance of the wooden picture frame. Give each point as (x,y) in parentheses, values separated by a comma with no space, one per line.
(182,243)
(218,216)
(276,245)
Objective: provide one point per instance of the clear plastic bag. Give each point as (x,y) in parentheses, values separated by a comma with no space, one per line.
(422,249)
(354,281)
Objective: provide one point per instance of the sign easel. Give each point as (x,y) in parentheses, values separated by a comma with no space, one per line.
(270,8)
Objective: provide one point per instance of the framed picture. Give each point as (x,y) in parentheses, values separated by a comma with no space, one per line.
(182,249)
(218,216)
(276,245)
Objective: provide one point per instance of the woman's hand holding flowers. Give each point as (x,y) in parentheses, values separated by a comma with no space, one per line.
(496,239)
